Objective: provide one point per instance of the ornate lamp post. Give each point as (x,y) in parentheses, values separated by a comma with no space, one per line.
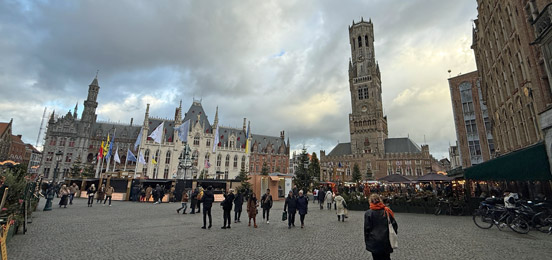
(50,192)
(185,160)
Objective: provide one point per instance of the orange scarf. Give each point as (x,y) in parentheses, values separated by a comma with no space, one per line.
(379,206)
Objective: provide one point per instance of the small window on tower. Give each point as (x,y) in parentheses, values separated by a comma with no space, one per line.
(366,40)
(359,41)
(360,95)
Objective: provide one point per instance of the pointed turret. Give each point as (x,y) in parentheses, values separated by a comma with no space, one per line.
(90,104)
(52,117)
(75,111)
(146,117)
(178,119)
(215,123)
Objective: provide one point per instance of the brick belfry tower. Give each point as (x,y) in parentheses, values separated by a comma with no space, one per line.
(368,126)
(90,105)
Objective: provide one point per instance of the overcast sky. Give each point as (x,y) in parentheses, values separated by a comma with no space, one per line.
(281,64)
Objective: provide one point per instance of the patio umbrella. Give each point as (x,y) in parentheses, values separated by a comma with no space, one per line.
(395,178)
(434,177)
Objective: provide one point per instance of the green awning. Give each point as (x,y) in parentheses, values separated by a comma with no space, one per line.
(528,164)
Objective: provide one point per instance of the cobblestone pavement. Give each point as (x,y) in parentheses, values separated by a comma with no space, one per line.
(145,231)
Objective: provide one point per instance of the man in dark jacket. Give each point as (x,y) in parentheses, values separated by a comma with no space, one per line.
(193,197)
(159,192)
(226,208)
(291,206)
(238,203)
(302,207)
(266,204)
(321,197)
(376,229)
(207,200)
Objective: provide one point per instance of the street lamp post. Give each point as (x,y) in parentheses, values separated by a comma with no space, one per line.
(50,192)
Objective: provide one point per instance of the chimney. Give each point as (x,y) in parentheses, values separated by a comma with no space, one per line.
(19,136)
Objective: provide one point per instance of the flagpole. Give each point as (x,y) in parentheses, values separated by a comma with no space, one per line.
(110,150)
(159,149)
(117,153)
(137,159)
(97,167)
(126,157)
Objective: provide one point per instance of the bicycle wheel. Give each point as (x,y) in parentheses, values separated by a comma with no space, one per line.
(504,221)
(437,211)
(482,219)
(542,221)
(520,225)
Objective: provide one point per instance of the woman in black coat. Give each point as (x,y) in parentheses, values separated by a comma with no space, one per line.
(376,229)
(238,203)
(291,206)
(302,207)
(226,208)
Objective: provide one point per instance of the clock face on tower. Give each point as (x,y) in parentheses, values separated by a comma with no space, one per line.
(364,109)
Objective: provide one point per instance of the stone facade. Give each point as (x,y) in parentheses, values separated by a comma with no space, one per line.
(5,139)
(80,141)
(471,118)
(370,148)
(514,83)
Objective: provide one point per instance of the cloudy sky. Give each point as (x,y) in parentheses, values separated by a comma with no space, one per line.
(281,64)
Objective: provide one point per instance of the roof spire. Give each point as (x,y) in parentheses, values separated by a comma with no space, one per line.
(215,123)
(75,111)
(146,117)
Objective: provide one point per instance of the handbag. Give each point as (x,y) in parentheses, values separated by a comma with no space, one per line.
(393,238)
(284,216)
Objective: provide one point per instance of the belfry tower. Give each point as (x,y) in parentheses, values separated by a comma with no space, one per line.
(368,126)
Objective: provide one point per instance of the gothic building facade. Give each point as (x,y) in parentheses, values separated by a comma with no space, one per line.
(370,148)
(79,141)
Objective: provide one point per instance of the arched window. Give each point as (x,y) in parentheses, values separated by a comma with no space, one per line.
(196,140)
(366,40)
(146,155)
(157,154)
(235,161)
(168,157)
(227,162)
(243,162)
(359,41)
(195,157)
(219,159)
(206,162)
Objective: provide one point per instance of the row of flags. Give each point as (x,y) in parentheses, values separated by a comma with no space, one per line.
(106,148)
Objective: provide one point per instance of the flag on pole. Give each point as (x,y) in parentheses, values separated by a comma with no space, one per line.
(106,145)
(100,153)
(183,131)
(110,149)
(141,158)
(157,133)
(116,157)
(247,141)
(130,156)
(138,140)
(207,164)
(215,143)
(153,160)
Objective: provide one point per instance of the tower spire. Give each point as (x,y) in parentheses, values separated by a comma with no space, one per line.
(215,123)
(146,117)
(75,111)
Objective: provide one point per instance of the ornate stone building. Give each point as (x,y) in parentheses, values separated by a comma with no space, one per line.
(80,139)
(514,83)
(471,118)
(370,148)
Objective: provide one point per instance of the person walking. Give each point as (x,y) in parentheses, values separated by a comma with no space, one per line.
(238,202)
(158,194)
(376,228)
(321,196)
(194,200)
(329,199)
(149,189)
(184,202)
(302,207)
(90,193)
(226,207)
(207,199)
(199,199)
(73,189)
(252,205)
(64,195)
(108,194)
(341,204)
(101,193)
(290,206)
(266,204)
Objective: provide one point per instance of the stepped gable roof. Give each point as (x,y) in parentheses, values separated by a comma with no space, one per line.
(197,109)
(341,149)
(401,145)
(17,139)
(123,131)
(264,140)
